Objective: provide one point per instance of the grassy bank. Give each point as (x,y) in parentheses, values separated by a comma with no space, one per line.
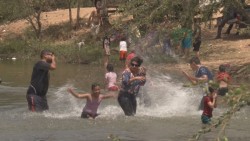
(57,38)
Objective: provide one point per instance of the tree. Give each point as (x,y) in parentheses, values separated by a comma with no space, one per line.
(70,11)
(34,9)
(77,25)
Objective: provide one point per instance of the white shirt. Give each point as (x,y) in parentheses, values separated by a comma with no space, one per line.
(123,46)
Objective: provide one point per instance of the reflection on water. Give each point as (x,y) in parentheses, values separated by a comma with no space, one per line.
(170,115)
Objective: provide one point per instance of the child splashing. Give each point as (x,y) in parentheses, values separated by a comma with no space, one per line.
(93,100)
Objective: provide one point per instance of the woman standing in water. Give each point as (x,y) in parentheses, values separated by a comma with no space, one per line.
(132,78)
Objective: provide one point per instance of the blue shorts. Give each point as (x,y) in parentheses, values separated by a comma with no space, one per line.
(205,119)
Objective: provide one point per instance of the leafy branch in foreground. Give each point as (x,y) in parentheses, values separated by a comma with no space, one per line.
(237,99)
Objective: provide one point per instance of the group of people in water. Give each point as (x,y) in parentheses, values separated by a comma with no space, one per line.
(204,77)
(133,77)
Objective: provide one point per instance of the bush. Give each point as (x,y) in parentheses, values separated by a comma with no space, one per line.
(11,10)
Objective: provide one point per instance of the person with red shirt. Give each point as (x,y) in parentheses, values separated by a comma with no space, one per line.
(130,56)
(223,78)
(209,105)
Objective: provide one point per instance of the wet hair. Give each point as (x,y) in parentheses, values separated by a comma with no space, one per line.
(94,85)
(44,52)
(222,68)
(137,59)
(110,68)
(211,90)
(195,60)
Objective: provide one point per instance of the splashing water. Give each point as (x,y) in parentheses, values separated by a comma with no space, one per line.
(64,105)
(160,97)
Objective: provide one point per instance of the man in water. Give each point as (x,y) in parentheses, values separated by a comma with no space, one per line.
(202,76)
(36,93)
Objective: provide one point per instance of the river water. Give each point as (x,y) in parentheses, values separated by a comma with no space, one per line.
(167,113)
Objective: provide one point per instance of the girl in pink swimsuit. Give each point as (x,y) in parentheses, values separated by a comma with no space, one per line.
(110,78)
(93,100)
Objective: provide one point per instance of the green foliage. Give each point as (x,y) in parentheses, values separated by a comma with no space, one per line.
(11,10)
(15,46)
(60,31)
(236,99)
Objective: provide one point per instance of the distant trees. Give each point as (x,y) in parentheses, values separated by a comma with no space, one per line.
(10,10)
(177,13)
(34,9)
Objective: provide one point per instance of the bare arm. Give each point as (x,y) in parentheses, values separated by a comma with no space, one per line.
(77,95)
(195,80)
(141,78)
(53,63)
(213,104)
(190,78)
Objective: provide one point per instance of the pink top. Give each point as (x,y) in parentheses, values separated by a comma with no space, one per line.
(111,78)
(92,106)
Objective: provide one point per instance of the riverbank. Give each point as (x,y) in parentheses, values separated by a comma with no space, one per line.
(17,40)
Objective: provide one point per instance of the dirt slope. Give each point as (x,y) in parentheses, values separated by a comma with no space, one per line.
(47,18)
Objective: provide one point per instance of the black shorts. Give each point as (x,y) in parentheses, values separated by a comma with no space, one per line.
(128,103)
(197,45)
(36,103)
(222,91)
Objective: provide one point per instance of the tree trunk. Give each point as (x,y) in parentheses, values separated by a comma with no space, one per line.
(189,9)
(104,14)
(78,14)
(39,24)
(70,12)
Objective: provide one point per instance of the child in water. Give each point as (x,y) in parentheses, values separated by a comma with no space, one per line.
(209,105)
(110,78)
(93,100)
(223,78)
